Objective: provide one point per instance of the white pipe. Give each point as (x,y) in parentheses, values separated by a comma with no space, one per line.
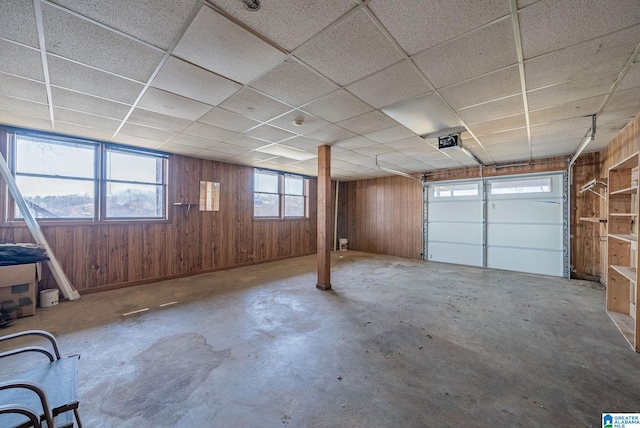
(63,282)
(335,220)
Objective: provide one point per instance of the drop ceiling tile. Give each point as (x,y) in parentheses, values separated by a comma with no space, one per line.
(624,99)
(304,143)
(504,136)
(246,142)
(213,155)
(23,107)
(187,80)
(406,144)
(330,134)
(483,89)
(368,122)
(407,20)
(580,60)
(269,133)
(396,83)
(132,140)
(390,134)
(423,115)
(172,105)
(157,120)
(179,149)
(631,79)
(524,3)
(21,61)
(253,104)
(492,111)
(11,118)
(230,148)
(349,50)
(191,141)
(590,86)
(478,52)
(80,78)
(274,20)
(348,156)
(293,83)
(560,126)
(569,110)
(627,113)
(18,22)
(373,150)
(502,124)
(544,27)
(86,120)
(557,138)
(250,158)
(82,131)
(147,132)
(228,120)
(156,22)
(309,122)
(74,38)
(25,89)
(217,44)
(610,127)
(355,143)
(88,104)
(337,106)
(202,130)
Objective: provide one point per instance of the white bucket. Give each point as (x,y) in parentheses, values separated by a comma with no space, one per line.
(49,298)
(344,243)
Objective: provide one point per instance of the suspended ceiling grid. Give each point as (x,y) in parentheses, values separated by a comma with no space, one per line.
(211,79)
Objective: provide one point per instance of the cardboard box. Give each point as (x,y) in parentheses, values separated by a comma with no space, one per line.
(19,283)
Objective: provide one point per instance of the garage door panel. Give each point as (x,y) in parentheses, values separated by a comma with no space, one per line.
(456,211)
(542,210)
(542,236)
(468,233)
(461,254)
(523,260)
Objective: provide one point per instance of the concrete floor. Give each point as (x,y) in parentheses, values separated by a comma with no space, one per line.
(397,343)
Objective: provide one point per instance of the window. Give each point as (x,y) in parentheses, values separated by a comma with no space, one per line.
(447,191)
(532,185)
(278,195)
(64,178)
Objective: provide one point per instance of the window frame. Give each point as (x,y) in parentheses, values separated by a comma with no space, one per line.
(9,140)
(282,194)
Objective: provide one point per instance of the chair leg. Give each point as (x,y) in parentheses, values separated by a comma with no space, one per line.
(77,415)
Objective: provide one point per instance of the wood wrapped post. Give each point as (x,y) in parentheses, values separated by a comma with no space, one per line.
(324,218)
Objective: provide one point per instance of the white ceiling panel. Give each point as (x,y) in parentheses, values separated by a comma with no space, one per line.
(86,120)
(304,143)
(293,83)
(10,118)
(157,120)
(374,150)
(172,105)
(631,79)
(502,124)
(390,134)
(488,87)
(549,24)
(624,99)
(355,143)
(179,149)
(217,44)
(349,50)
(627,113)
(330,133)
(611,127)
(269,133)
(368,122)
(570,135)
(589,57)
(396,83)
(82,131)
(337,106)
(21,61)
(309,122)
(478,52)
(246,142)
(26,89)
(74,38)
(407,144)
(24,107)
(156,22)
(80,78)
(255,105)
(88,104)
(228,120)
(18,22)
(132,140)
(492,111)
(191,141)
(213,155)
(202,130)
(187,80)
(407,20)
(524,3)
(504,136)
(560,126)
(147,132)
(590,86)
(579,108)
(275,19)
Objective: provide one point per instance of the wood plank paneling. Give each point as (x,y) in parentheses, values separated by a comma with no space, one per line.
(103,256)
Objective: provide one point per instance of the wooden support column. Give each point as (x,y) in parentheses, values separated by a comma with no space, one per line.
(324,218)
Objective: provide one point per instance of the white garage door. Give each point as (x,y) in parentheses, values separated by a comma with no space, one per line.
(515,223)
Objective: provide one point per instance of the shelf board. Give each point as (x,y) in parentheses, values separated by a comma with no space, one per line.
(594,219)
(628,238)
(626,271)
(625,324)
(628,191)
(623,215)
(596,183)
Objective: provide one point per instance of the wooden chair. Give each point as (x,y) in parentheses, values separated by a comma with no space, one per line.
(45,396)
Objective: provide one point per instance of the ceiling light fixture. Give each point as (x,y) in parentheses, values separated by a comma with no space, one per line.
(251,5)
(298,121)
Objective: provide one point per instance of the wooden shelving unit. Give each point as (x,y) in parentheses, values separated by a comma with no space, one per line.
(622,242)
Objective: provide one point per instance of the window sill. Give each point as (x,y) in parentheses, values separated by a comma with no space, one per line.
(78,222)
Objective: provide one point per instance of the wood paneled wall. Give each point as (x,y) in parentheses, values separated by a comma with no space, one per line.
(382,215)
(102,256)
